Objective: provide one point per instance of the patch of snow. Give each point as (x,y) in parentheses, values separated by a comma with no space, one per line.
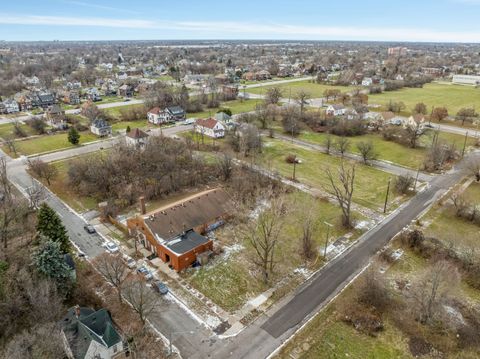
(397,254)
(363,225)
(261,206)
(228,251)
(258,301)
(212,322)
(455,314)
(302,271)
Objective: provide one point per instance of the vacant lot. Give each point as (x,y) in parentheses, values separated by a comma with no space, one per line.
(232,279)
(370,183)
(392,151)
(453,97)
(291,89)
(48,143)
(235,106)
(6,130)
(460,233)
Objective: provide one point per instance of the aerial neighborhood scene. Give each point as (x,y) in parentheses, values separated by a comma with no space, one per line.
(282,180)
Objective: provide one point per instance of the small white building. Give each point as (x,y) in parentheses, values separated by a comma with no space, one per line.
(336,110)
(472,80)
(210,127)
(101,128)
(11,106)
(158,116)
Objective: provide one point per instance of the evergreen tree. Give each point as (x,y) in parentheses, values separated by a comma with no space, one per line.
(50,262)
(128,129)
(50,226)
(73,136)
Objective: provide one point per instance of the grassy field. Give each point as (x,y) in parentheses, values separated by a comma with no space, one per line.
(392,151)
(59,186)
(371,184)
(48,143)
(235,106)
(6,130)
(315,90)
(133,124)
(117,111)
(445,226)
(453,97)
(230,281)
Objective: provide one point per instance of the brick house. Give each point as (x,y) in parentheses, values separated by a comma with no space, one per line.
(175,233)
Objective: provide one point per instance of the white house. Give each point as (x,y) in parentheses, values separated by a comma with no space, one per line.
(101,128)
(136,138)
(336,110)
(210,127)
(158,116)
(11,106)
(90,334)
(367,81)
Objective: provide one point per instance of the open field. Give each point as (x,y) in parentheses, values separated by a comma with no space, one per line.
(371,184)
(236,106)
(392,151)
(453,97)
(315,90)
(48,143)
(231,279)
(6,130)
(117,111)
(443,224)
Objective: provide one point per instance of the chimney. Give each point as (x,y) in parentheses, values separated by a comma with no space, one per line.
(143,209)
(77,311)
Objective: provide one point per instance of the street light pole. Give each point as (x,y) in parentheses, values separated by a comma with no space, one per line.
(416,179)
(386,196)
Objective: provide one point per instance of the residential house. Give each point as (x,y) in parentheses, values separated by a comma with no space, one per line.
(210,127)
(230,92)
(56,117)
(44,100)
(169,114)
(367,81)
(74,85)
(175,233)
(223,118)
(93,94)
(336,110)
(136,138)
(100,127)
(122,76)
(10,106)
(125,91)
(414,121)
(71,97)
(90,334)
(351,114)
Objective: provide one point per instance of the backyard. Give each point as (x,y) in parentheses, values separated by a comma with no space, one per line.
(291,89)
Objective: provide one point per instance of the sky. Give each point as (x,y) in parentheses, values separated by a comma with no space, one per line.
(368,20)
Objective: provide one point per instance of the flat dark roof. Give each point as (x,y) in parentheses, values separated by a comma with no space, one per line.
(186,242)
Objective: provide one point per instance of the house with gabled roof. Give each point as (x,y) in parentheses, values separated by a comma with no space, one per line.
(336,110)
(90,334)
(176,233)
(136,138)
(157,116)
(210,127)
(100,127)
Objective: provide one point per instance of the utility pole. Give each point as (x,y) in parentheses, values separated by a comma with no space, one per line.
(386,196)
(464,144)
(326,238)
(294,165)
(416,179)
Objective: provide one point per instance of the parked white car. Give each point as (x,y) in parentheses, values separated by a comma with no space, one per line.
(129,261)
(111,247)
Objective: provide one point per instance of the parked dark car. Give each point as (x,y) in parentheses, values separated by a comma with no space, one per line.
(160,287)
(89,229)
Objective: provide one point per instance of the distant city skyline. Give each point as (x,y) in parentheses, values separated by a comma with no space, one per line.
(375,20)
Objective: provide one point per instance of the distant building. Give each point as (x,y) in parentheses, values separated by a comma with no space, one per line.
(473,80)
(158,116)
(90,334)
(336,110)
(10,106)
(397,51)
(56,117)
(101,128)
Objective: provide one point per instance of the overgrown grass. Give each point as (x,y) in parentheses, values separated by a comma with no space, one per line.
(7,130)
(291,89)
(370,183)
(453,97)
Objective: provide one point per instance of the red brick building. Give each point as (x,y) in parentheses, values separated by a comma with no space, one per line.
(175,233)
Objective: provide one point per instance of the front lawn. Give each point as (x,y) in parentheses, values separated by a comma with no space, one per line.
(48,143)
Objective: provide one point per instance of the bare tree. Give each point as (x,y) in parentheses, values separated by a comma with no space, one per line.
(439,114)
(342,144)
(42,170)
(342,184)
(367,151)
(113,269)
(11,145)
(432,288)
(143,300)
(413,132)
(263,235)
(273,96)
(225,164)
(302,98)
(309,227)
(328,143)
(35,194)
